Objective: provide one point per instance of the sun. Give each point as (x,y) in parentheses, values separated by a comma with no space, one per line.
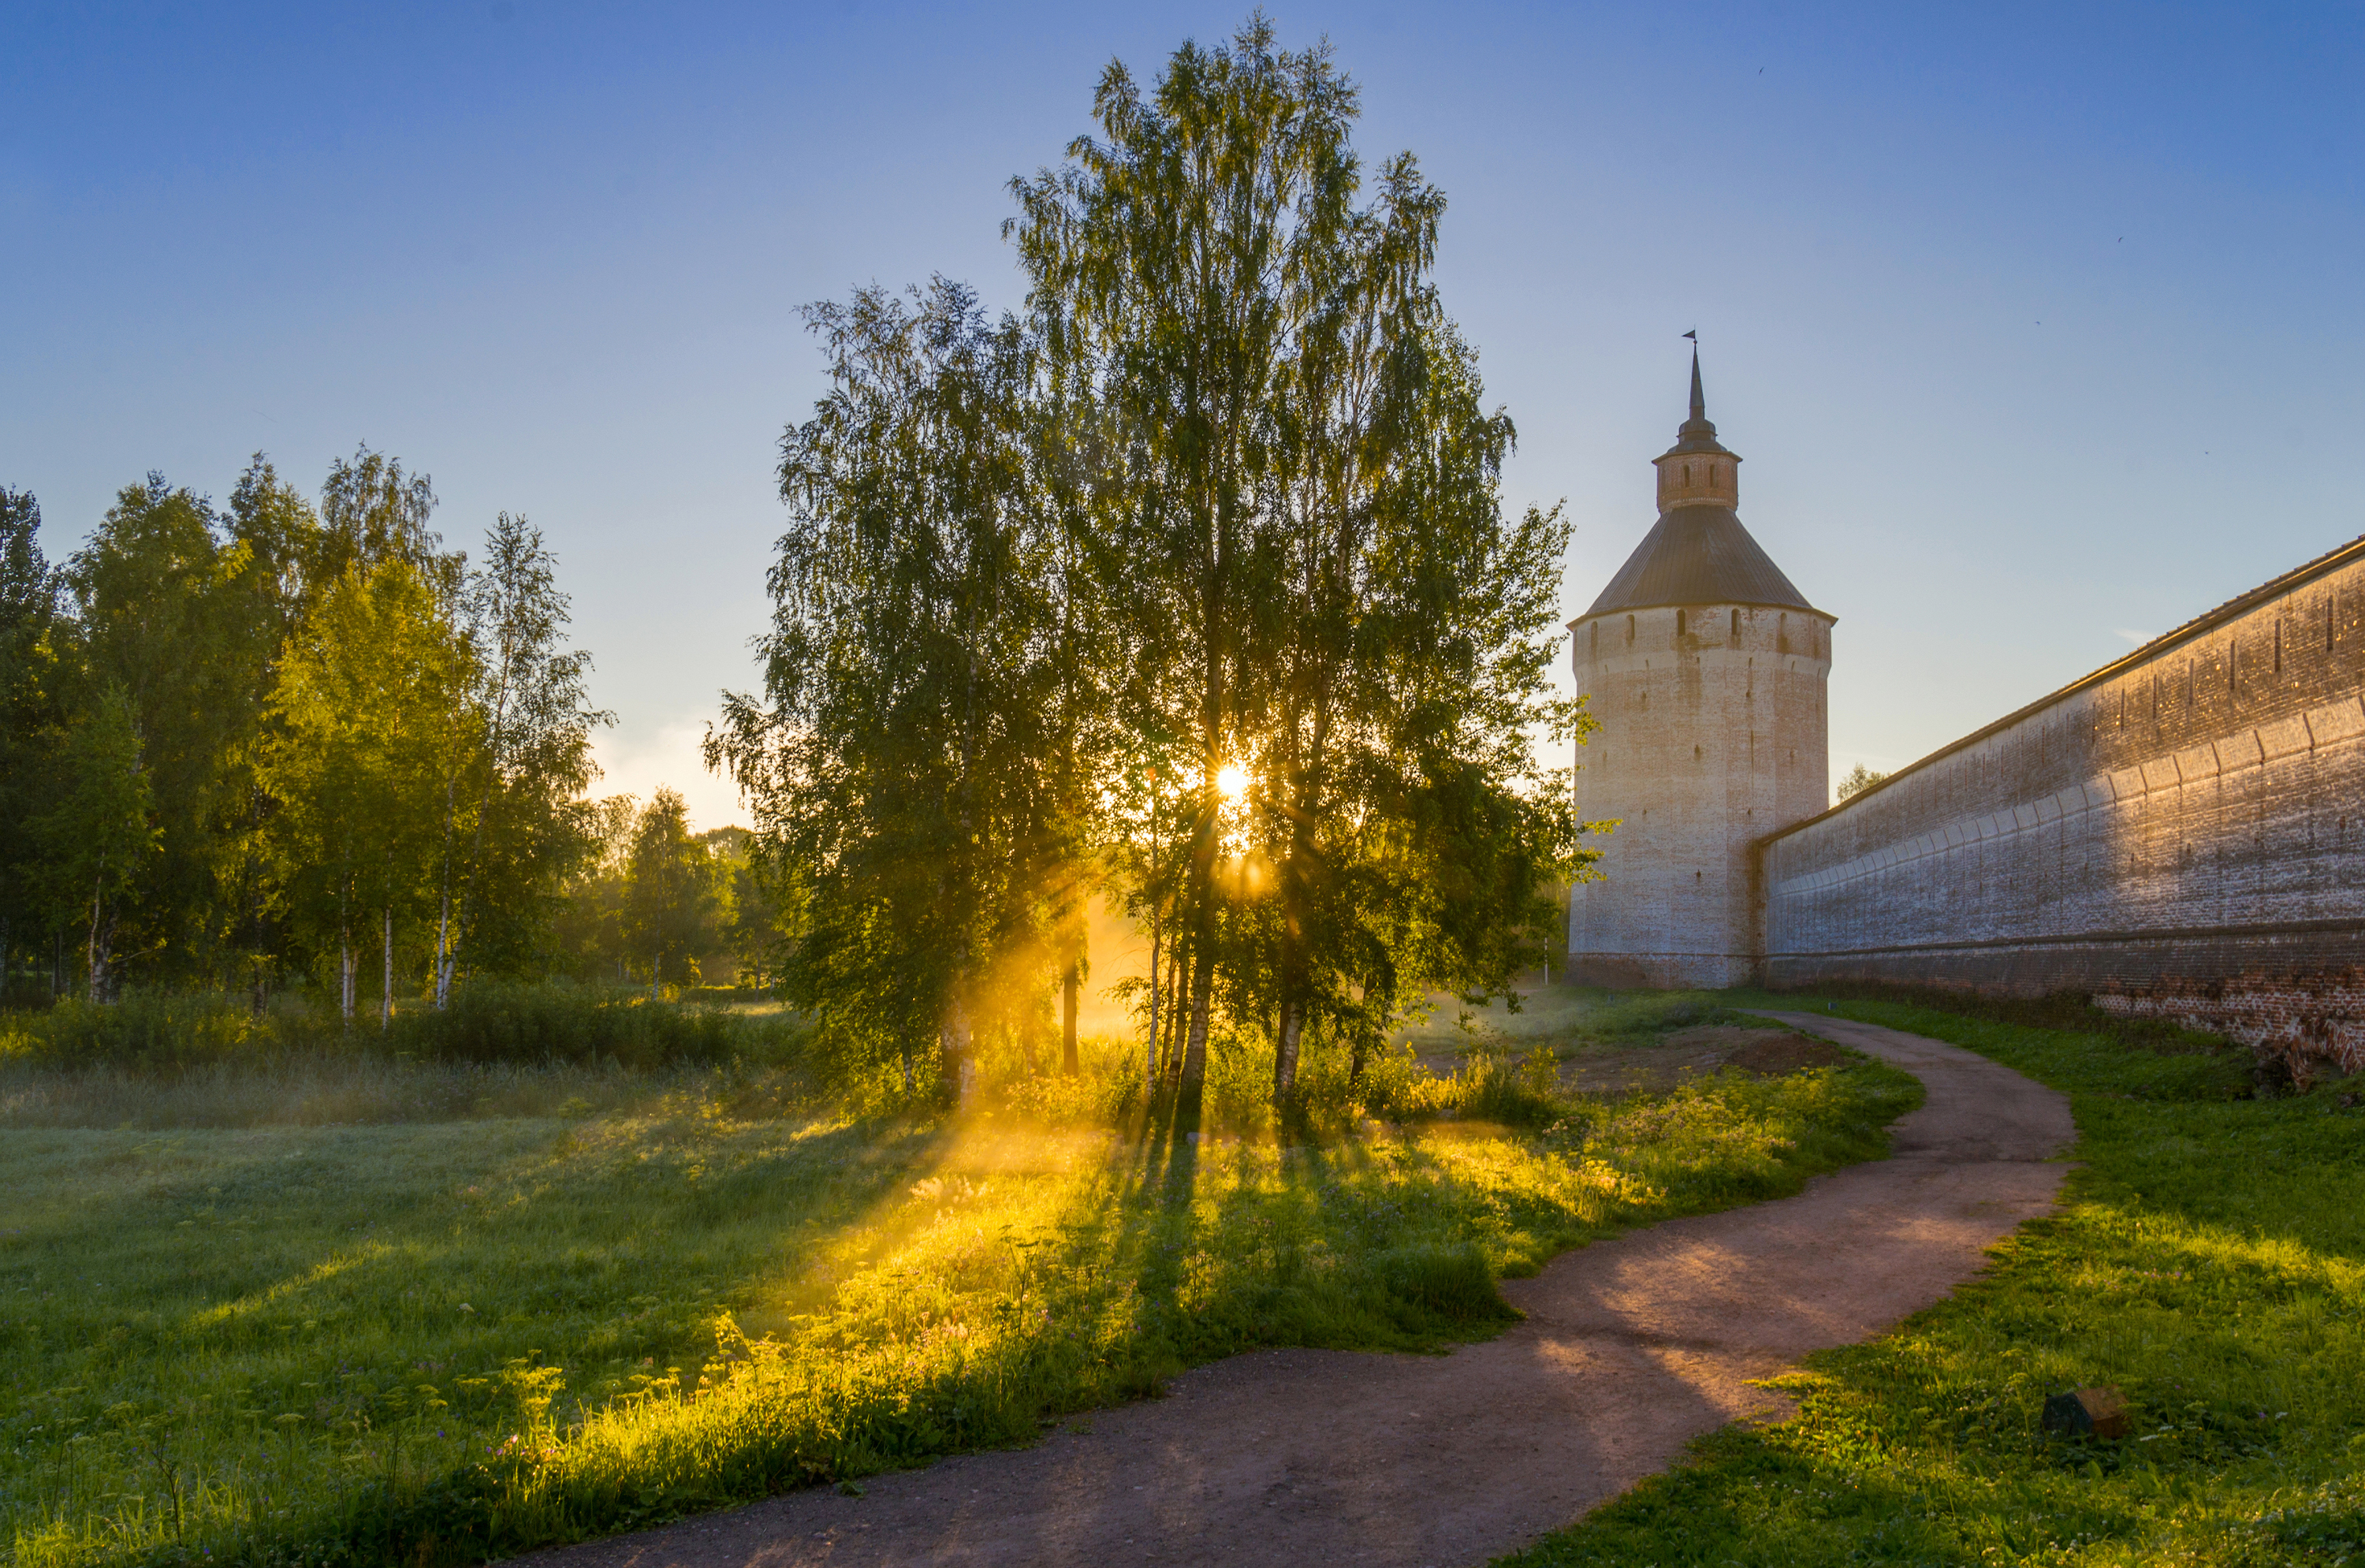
(1232,780)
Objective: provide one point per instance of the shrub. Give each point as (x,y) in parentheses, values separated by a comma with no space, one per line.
(498,1022)
(146,1029)
(1492,1087)
(488,1021)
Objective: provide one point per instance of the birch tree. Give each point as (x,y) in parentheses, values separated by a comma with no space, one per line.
(523,825)
(364,746)
(1169,261)
(1318,580)
(900,761)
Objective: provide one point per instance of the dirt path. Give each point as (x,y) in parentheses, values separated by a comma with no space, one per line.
(1631,1347)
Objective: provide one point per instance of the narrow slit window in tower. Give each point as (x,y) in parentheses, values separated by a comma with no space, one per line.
(1736,623)
(1679,623)
(1630,628)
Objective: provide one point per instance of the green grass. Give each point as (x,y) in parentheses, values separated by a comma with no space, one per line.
(2208,1259)
(439,1341)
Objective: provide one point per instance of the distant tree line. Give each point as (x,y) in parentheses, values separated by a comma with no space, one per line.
(1190,582)
(290,741)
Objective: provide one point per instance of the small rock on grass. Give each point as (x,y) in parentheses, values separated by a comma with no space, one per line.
(2089,1412)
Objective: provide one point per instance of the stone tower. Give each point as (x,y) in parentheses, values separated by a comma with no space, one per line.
(1706,670)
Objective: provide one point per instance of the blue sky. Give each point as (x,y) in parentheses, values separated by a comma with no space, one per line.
(2038,327)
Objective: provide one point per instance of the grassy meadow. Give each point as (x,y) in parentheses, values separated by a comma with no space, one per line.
(2208,1260)
(349,1309)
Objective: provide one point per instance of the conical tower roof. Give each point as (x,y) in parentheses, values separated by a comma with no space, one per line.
(1698,555)
(1698,552)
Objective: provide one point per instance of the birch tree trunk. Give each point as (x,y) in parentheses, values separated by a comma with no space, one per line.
(1150,1063)
(1284,1055)
(1194,1051)
(1068,986)
(956,1042)
(386,988)
(102,937)
(93,966)
(442,949)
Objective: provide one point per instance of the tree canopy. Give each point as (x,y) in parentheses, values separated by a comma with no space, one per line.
(251,742)
(1222,502)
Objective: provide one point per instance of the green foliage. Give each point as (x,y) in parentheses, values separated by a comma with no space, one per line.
(904,761)
(31,709)
(1226,499)
(1856,778)
(372,735)
(1298,513)
(503,871)
(673,893)
(292,1344)
(156,617)
(333,723)
(95,834)
(654,903)
(2207,1260)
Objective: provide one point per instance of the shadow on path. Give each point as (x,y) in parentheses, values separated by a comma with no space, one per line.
(1631,1347)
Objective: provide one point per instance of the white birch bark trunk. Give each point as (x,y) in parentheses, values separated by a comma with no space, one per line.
(957,1041)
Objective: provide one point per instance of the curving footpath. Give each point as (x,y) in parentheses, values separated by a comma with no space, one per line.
(1630,1349)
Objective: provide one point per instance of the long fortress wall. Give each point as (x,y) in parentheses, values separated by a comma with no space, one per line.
(2180,833)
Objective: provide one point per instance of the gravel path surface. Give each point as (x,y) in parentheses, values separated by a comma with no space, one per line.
(1630,1349)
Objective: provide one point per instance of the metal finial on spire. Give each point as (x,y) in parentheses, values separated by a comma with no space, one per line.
(1700,403)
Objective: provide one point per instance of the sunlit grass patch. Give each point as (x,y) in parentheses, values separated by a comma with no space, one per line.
(440,1342)
(2209,1260)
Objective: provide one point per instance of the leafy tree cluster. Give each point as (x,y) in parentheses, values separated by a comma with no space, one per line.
(657,904)
(245,745)
(1856,780)
(1190,581)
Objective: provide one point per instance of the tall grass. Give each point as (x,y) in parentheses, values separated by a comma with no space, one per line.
(291,1344)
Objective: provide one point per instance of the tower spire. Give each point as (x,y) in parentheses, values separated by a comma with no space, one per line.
(1697,470)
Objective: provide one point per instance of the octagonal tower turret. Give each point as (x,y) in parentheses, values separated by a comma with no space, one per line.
(1706,671)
